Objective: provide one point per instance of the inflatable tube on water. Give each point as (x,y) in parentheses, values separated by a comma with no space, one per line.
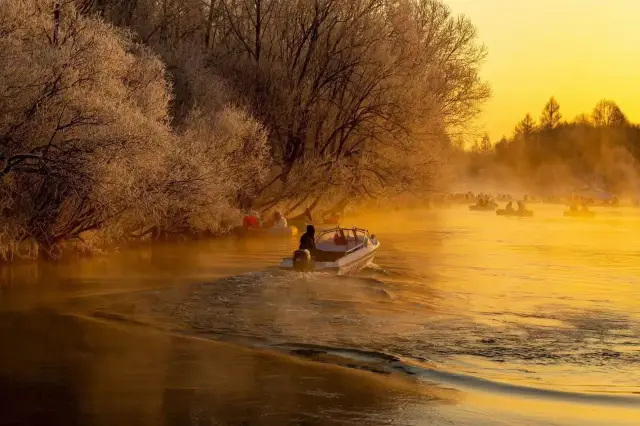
(515,213)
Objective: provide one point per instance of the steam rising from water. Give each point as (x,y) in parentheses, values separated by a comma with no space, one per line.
(540,303)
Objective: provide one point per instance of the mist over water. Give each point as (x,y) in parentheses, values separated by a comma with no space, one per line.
(542,311)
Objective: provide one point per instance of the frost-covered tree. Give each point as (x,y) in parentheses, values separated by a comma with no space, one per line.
(85,140)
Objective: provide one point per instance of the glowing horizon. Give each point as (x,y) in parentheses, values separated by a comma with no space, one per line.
(579,51)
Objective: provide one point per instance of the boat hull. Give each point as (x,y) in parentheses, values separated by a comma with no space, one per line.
(349,264)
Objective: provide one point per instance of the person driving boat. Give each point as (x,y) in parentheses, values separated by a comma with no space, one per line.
(308,239)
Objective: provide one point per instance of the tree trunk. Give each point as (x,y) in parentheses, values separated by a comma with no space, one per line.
(207,35)
(56,22)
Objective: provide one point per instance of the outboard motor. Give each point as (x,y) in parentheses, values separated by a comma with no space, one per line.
(302,261)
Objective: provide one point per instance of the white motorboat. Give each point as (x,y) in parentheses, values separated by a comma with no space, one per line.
(340,250)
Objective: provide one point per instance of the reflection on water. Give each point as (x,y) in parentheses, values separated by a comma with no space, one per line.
(64,370)
(541,311)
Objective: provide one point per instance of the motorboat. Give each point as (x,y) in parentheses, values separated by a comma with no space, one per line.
(515,213)
(340,250)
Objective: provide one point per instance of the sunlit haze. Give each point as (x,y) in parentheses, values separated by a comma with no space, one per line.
(278,212)
(579,51)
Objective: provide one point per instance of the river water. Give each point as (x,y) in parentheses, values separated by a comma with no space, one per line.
(466,318)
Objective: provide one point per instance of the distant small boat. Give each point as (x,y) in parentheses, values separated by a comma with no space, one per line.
(515,213)
(339,250)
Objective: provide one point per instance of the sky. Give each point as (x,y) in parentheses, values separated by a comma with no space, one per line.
(579,51)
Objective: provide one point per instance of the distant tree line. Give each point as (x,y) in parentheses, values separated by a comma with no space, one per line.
(602,147)
(124,119)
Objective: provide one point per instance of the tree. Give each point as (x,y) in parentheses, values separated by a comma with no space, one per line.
(582,119)
(607,113)
(85,139)
(485,144)
(551,116)
(71,103)
(502,147)
(525,127)
(605,146)
(355,94)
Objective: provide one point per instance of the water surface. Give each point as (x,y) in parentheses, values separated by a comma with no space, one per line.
(465,318)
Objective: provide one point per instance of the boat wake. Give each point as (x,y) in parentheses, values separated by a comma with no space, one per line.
(381,324)
(382,363)
(424,371)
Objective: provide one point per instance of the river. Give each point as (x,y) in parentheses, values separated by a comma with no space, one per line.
(466,318)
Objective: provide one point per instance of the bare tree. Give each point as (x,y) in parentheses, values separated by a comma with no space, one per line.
(86,143)
(607,113)
(342,86)
(338,84)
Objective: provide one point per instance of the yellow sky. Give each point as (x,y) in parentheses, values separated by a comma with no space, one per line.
(579,51)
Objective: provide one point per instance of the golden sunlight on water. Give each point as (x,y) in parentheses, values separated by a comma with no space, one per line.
(473,318)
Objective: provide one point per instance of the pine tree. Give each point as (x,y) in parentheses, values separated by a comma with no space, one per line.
(551,116)
(526,126)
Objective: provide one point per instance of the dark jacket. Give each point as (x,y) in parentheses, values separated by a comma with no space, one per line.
(307,241)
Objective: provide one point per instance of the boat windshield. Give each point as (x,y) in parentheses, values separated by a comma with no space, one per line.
(340,239)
